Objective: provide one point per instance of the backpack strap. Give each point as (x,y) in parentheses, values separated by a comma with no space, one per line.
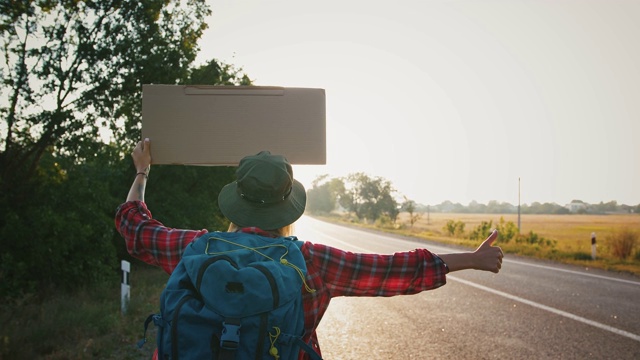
(308,349)
(157,320)
(230,339)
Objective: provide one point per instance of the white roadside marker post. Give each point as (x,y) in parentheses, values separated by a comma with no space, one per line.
(125,287)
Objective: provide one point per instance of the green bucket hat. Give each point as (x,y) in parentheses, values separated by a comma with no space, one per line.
(264,195)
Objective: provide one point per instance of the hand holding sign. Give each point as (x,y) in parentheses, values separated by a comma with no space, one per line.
(142,156)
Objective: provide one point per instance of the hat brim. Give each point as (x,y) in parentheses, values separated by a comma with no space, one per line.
(245,213)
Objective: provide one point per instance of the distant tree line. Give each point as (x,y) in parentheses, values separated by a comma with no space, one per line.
(495,207)
(372,198)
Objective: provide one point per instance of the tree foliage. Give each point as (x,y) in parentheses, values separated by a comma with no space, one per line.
(410,207)
(369,198)
(507,230)
(72,68)
(324,193)
(454,228)
(70,113)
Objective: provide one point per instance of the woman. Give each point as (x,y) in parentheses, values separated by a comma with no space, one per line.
(266,200)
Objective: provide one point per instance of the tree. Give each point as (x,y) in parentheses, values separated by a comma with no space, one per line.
(216,73)
(410,207)
(324,193)
(351,199)
(602,207)
(546,208)
(74,68)
(369,198)
(388,205)
(71,71)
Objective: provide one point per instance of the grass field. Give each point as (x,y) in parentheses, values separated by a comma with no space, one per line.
(563,238)
(86,324)
(570,230)
(571,235)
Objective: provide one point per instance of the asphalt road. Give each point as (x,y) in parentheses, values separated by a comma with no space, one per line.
(530,310)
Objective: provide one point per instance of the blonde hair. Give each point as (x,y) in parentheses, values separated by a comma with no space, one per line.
(286,230)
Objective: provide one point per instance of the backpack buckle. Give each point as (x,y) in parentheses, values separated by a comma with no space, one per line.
(230,337)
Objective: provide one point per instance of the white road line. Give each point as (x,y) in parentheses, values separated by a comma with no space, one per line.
(549,309)
(357,248)
(608,278)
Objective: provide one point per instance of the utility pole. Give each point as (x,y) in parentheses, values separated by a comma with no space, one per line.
(518,205)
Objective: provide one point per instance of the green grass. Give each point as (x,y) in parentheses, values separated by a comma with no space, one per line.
(87,324)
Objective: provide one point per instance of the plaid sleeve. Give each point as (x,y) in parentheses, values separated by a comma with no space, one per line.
(351,274)
(148,239)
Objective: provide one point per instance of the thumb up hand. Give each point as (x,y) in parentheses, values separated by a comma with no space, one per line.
(489,257)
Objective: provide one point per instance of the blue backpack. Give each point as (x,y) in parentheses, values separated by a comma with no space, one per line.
(234,296)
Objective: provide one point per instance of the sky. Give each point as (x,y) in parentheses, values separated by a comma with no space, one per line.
(514,101)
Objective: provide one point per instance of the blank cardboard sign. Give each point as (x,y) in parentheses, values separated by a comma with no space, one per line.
(219,125)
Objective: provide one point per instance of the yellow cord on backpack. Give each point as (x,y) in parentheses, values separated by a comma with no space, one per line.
(273,351)
(283,261)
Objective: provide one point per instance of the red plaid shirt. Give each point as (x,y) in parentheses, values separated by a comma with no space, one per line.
(330,271)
